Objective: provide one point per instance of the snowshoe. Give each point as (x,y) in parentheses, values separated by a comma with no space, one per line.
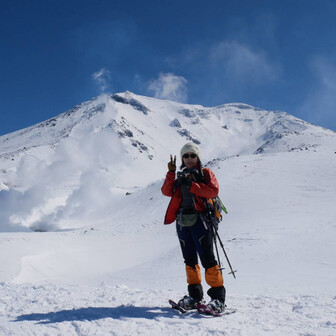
(188,303)
(177,307)
(217,306)
(214,308)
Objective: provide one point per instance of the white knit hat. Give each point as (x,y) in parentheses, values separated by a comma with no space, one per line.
(190,147)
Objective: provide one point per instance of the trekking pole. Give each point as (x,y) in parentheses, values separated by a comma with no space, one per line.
(217,253)
(216,234)
(226,256)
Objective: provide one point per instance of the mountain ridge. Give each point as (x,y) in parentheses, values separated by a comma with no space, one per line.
(276,124)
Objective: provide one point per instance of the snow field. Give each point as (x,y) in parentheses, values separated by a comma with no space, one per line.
(116,276)
(118,310)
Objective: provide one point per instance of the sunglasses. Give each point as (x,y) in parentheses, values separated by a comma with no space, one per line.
(186,156)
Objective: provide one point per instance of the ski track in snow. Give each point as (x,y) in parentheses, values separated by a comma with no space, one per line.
(117,310)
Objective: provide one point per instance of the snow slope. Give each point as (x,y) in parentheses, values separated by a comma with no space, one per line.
(107,264)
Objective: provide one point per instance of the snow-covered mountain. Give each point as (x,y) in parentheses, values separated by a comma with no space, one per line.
(123,141)
(92,176)
(145,129)
(140,122)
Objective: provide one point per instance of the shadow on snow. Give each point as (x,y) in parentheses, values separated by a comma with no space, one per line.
(98,313)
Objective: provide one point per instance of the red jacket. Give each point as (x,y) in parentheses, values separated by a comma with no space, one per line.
(208,189)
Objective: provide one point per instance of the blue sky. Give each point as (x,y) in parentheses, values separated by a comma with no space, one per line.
(278,55)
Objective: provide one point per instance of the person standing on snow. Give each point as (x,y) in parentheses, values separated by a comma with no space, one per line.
(188,193)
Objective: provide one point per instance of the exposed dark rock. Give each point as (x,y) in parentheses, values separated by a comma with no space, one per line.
(175,123)
(131,101)
(185,133)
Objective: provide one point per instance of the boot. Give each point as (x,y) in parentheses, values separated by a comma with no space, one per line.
(188,303)
(196,292)
(217,306)
(217,293)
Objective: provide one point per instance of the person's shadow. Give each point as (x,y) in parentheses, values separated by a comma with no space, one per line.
(98,313)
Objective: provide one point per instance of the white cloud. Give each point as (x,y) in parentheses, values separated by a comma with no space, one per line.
(242,63)
(102,78)
(70,188)
(87,174)
(169,86)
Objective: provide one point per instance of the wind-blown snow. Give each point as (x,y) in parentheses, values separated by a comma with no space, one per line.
(108,265)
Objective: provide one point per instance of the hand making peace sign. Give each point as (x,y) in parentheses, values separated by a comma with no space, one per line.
(172,163)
